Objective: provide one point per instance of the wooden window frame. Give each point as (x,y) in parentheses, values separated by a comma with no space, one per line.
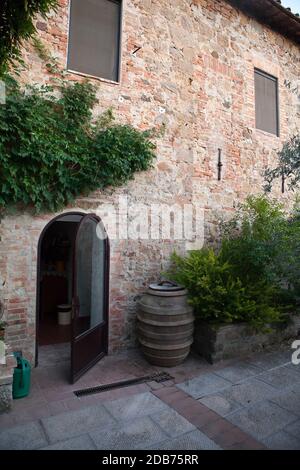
(275,80)
(120,43)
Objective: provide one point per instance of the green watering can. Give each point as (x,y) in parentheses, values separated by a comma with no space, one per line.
(21,379)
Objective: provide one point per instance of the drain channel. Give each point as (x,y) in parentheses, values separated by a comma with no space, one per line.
(158,377)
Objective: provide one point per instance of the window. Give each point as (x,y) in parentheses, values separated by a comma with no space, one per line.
(266,102)
(94,38)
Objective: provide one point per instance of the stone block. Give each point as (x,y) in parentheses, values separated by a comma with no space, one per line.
(26,437)
(238,372)
(293,429)
(221,404)
(131,435)
(135,406)
(262,419)
(204,385)
(172,423)
(270,360)
(76,443)
(194,440)
(280,377)
(249,392)
(289,400)
(282,441)
(5,397)
(73,423)
(218,342)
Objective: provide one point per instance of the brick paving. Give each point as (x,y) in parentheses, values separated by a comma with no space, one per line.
(249,404)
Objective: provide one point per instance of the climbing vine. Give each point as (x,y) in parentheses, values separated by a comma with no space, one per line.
(51,149)
(17,25)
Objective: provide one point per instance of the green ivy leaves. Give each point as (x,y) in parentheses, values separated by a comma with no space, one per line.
(51,151)
(16,25)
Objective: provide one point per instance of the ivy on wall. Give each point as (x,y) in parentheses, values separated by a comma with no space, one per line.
(16,25)
(51,149)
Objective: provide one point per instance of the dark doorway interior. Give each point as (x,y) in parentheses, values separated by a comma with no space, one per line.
(56,278)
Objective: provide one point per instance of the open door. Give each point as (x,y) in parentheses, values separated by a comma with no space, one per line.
(90,296)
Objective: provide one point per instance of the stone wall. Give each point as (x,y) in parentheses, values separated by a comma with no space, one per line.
(6,380)
(194,72)
(216,343)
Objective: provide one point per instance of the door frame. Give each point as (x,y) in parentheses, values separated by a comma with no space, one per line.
(38,277)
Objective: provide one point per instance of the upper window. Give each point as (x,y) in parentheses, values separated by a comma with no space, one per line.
(94,38)
(266,102)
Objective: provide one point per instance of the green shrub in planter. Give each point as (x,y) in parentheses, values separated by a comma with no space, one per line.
(254,277)
(218,295)
(262,243)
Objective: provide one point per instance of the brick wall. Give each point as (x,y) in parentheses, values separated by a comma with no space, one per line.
(194,72)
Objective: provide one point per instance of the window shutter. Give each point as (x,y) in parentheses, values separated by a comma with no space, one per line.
(94,38)
(266,102)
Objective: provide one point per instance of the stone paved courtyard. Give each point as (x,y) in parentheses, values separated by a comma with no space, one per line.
(248,404)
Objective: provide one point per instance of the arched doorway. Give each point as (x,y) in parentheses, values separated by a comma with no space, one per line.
(72,290)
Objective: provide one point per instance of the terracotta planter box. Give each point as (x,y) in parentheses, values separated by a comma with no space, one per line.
(219,342)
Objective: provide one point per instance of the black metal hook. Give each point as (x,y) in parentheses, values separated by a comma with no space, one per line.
(220,164)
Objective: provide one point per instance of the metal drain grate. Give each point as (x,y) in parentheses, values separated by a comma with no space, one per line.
(158,377)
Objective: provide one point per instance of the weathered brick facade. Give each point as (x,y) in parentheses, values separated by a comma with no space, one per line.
(194,71)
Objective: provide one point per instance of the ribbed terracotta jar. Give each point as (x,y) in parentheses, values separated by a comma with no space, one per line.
(165,324)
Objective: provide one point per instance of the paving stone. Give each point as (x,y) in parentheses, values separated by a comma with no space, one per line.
(204,385)
(76,443)
(295,387)
(235,436)
(172,423)
(194,440)
(280,377)
(249,392)
(294,368)
(218,427)
(220,404)
(270,360)
(7,420)
(249,444)
(288,400)
(26,437)
(131,435)
(132,407)
(200,420)
(293,429)
(262,419)
(238,372)
(74,423)
(282,441)
(173,398)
